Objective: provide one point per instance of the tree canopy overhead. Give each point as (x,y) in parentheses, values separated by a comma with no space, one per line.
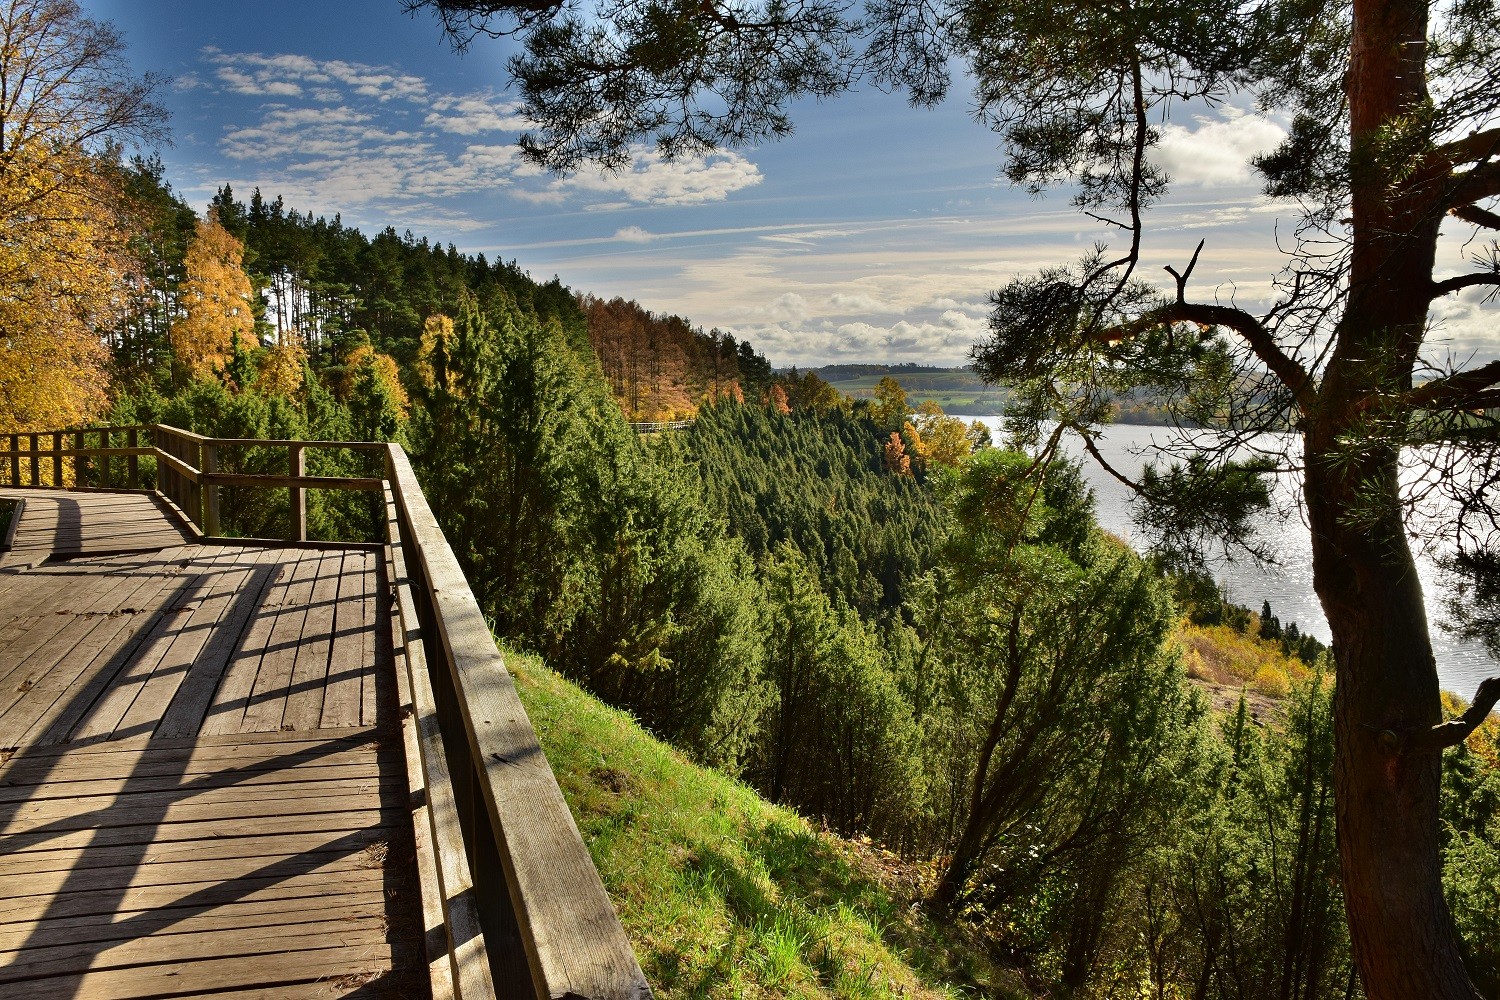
(1393,128)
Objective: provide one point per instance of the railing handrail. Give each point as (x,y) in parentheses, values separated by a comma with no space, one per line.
(192,479)
(532,876)
(573,940)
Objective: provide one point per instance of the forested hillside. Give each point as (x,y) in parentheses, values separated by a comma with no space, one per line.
(661,367)
(859,607)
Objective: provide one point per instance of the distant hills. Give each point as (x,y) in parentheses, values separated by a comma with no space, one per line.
(957,390)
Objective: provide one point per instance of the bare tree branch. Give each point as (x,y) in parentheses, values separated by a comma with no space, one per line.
(1457,389)
(1474,185)
(1455,731)
(1292,375)
(1471,148)
(1441,288)
(1478,216)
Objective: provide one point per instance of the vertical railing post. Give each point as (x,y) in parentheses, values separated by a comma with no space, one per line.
(210,490)
(36,468)
(132,462)
(196,489)
(57,459)
(15,460)
(80,462)
(297,463)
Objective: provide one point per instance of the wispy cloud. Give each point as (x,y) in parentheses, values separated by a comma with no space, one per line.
(341,135)
(652,180)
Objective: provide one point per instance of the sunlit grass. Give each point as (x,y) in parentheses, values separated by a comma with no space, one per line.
(724,895)
(1220,655)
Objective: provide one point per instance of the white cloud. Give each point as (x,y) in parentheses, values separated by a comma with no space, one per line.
(858,303)
(344,134)
(1218,151)
(473,114)
(652,180)
(634,234)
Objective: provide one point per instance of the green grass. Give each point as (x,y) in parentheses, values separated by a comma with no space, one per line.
(723,894)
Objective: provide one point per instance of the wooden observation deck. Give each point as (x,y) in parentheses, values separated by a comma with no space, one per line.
(239,767)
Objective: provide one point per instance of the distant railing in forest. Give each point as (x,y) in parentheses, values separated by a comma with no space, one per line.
(657,426)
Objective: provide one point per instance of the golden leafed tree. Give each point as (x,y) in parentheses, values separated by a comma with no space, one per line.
(366,362)
(282,367)
(215,302)
(67,98)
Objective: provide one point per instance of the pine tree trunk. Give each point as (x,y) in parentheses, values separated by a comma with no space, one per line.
(1387,687)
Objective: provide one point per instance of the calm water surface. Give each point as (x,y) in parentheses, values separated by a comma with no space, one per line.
(1288,586)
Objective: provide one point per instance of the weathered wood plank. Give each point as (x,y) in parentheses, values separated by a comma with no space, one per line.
(341,701)
(97,927)
(226,713)
(267,704)
(47,960)
(369,817)
(226,808)
(265,846)
(218,975)
(310,669)
(189,706)
(230,777)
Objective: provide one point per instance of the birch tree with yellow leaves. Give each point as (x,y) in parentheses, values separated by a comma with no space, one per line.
(216,304)
(67,101)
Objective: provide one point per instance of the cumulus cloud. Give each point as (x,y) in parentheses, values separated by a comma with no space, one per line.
(1217,151)
(634,234)
(858,303)
(473,114)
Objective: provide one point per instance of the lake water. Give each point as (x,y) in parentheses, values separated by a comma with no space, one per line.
(1288,586)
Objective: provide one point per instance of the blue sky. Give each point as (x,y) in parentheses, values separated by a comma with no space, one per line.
(875,233)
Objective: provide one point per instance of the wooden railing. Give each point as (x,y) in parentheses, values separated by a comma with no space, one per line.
(186,467)
(658,426)
(505,872)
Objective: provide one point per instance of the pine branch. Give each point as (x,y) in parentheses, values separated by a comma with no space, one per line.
(1455,731)
(1476,215)
(1255,335)
(1455,390)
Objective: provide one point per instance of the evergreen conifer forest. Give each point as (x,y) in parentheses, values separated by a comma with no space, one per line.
(866,611)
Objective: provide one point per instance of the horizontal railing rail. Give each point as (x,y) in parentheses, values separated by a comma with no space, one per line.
(658,426)
(521,903)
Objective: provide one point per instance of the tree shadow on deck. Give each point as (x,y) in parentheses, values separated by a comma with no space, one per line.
(207,865)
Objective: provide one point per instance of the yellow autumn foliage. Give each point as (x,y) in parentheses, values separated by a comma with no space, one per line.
(62,263)
(281,368)
(386,372)
(215,302)
(437,330)
(68,96)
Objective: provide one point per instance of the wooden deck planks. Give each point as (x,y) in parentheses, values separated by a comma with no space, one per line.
(65,522)
(194,797)
(248,866)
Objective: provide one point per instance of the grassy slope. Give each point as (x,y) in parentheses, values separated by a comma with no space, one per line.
(725,895)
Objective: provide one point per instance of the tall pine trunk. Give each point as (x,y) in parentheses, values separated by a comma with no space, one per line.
(1403,938)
